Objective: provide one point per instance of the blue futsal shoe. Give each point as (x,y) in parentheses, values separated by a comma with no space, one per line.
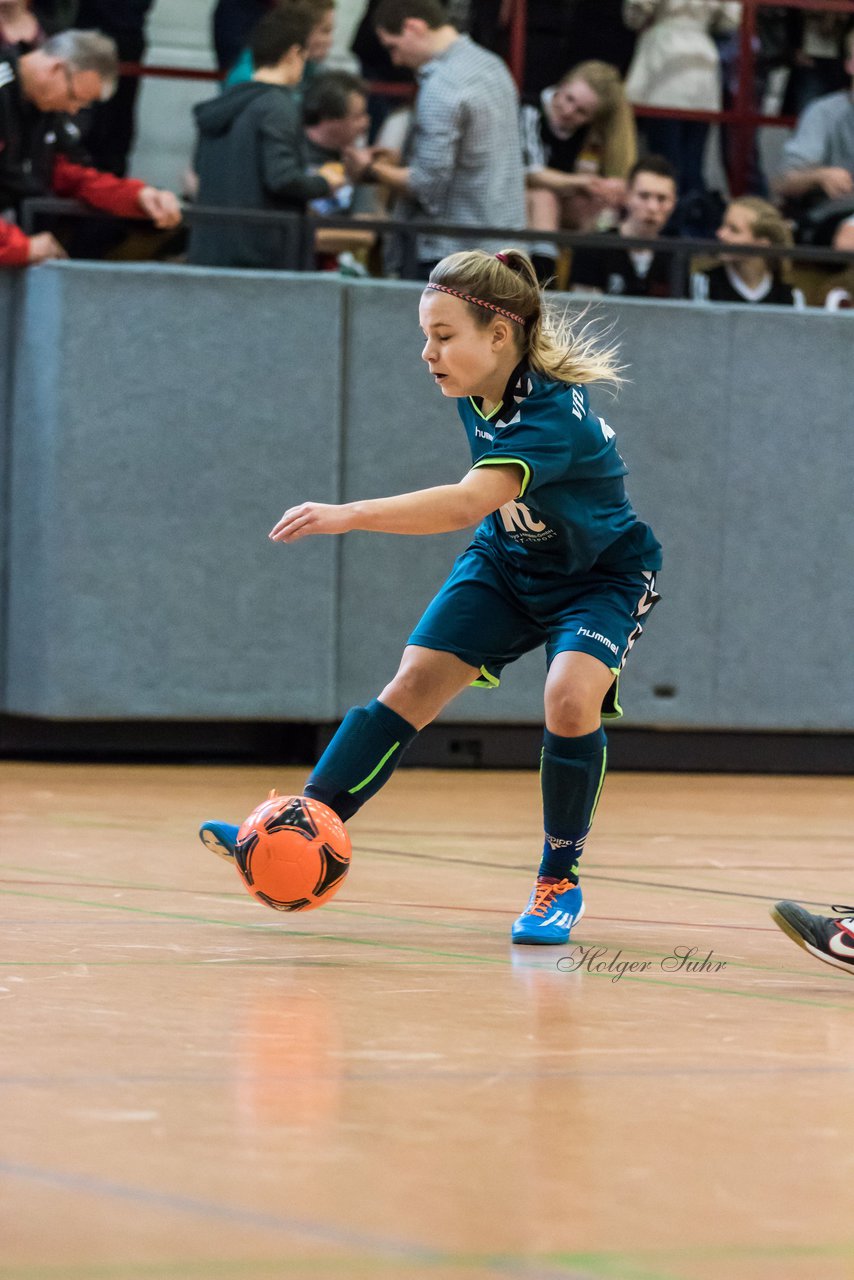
(553,908)
(220,838)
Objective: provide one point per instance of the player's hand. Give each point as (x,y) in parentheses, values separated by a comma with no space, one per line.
(43,247)
(835,182)
(309,518)
(162,207)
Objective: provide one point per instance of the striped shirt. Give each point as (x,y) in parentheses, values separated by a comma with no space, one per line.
(463,150)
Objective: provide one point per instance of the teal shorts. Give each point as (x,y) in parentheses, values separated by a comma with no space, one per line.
(488,620)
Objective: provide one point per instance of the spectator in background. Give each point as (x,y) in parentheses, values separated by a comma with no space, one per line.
(578,144)
(749,221)
(335,114)
(841,296)
(233,22)
(251,151)
(817,42)
(55,15)
(335,117)
(556,31)
(548,43)
(598,33)
(109,133)
(317,49)
(844,238)
(19,28)
(376,64)
(462,159)
(818,158)
(489,24)
(38,91)
(676,64)
(633,273)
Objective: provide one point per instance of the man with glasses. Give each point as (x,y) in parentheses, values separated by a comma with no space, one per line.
(40,146)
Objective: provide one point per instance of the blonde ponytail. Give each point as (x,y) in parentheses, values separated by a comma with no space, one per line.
(555,344)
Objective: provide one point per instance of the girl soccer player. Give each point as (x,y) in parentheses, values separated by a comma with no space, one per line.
(558,558)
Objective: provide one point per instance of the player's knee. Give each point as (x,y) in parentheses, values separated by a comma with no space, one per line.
(412,694)
(570,713)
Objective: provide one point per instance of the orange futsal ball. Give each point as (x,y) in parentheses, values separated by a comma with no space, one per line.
(293,853)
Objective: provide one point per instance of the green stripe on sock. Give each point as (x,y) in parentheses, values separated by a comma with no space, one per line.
(375,771)
(601,784)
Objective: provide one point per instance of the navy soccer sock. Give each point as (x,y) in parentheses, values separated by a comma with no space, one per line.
(360,758)
(571,777)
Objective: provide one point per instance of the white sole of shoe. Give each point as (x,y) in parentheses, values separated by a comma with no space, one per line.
(210,841)
(791,932)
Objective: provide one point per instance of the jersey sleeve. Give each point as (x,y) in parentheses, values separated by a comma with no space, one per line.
(539,437)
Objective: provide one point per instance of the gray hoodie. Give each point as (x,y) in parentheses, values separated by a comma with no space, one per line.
(250,155)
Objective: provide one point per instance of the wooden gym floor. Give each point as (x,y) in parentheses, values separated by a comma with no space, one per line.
(196,1086)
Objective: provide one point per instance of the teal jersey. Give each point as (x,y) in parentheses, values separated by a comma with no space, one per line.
(572,515)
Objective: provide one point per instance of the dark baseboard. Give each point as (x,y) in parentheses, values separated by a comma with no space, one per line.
(445,746)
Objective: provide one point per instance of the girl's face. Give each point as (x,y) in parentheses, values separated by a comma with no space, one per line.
(737,227)
(320,37)
(465,358)
(573,105)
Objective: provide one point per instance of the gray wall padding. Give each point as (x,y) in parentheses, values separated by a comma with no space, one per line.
(7,323)
(787,616)
(163,418)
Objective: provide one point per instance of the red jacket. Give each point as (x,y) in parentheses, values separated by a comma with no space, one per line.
(32,163)
(75,182)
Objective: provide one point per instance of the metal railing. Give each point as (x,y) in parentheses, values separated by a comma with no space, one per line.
(298,232)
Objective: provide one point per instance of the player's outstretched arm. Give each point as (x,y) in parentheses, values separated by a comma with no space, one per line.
(440,510)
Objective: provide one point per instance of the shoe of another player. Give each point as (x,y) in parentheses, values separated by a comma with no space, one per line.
(828,938)
(553,908)
(220,838)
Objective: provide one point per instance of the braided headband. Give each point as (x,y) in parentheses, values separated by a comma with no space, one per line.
(478,302)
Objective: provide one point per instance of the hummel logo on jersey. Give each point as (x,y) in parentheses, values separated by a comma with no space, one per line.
(484,435)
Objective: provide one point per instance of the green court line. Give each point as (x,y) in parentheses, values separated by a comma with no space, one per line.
(643,1264)
(254,928)
(433,953)
(622,1267)
(352,913)
(646,1264)
(633,949)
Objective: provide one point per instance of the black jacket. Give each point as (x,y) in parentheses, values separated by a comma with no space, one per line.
(40,155)
(30,140)
(251,154)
